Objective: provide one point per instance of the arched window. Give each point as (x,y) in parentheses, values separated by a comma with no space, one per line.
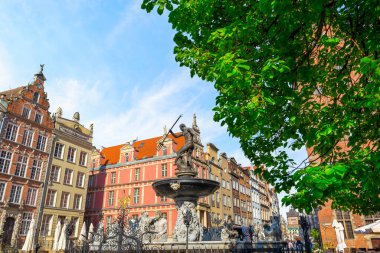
(36,96)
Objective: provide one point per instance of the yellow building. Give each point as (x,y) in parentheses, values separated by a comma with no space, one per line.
(221,200)
(68,176)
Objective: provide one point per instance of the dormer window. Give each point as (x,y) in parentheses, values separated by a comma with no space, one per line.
(164,150)
(36,96)
(126,157)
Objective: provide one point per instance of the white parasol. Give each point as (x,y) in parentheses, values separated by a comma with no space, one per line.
(91,232)
(83,233)
(339,232)
(62,238)
(373,228)
(56,235)
(28,244)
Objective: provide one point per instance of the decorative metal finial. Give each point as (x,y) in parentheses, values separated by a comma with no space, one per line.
(194,120)
(42,68)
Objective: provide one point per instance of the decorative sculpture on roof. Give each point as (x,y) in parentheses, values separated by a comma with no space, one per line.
(76,116)
(58,113)
(42,68)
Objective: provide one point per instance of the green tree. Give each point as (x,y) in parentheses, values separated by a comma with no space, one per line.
(291,73)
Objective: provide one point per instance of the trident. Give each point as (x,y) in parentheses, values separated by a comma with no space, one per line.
(161,143)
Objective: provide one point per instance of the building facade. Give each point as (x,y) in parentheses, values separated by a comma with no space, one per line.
(350,222)
(221,200)
(68,176)
(293,224)
(255,196)
(26,134)
(127,171)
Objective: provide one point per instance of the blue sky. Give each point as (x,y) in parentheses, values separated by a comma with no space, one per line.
(112,62)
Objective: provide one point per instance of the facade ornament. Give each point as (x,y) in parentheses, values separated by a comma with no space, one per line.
(92,127)
(76,116)
(58,112)
(195,126)
(175,186)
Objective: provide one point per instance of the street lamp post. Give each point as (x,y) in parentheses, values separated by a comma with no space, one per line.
(187,218)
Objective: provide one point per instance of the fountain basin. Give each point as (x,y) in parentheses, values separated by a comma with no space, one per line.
(185,187)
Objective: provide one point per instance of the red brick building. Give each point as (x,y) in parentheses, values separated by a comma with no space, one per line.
(128,171)
(241,193)
(349,220)
(26,128)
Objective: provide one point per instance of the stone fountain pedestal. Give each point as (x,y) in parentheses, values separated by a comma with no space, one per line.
(186,191)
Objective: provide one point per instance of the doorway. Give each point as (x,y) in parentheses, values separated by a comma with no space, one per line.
(8,230)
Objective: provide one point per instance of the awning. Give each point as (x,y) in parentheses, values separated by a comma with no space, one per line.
(373,228)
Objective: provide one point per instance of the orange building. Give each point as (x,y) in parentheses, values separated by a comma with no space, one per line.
(128,171)
(26,130)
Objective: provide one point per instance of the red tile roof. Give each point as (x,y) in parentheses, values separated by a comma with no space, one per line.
(15,91)
(145,149)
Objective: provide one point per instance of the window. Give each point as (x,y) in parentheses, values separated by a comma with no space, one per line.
(25,223)
(88,200)
(345,218)
(113,177)
(5,161)
(110,198)
(54,174)
(46,225)
(77,201)
(223,183)
(27,138)
(25,113)
(58,150)
(80,179)
(368,218)
(50,198)
(36,170)
(93,163)
(164,170)
(126,157)
(11,132)
(2,190)
(137,174)
(68,177)
(83,158)
(164,151)
(71,154)
(41,142)
(224,200)
(21,166)
(65,199)
(109,222)
(229,201)
(38,118)
(31,197)
(90,180)
(163,199)
(36,96)
(217,178)
(228,185)
(15,194)
(136,195)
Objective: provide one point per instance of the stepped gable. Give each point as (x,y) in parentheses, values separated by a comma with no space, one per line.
(143,148)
